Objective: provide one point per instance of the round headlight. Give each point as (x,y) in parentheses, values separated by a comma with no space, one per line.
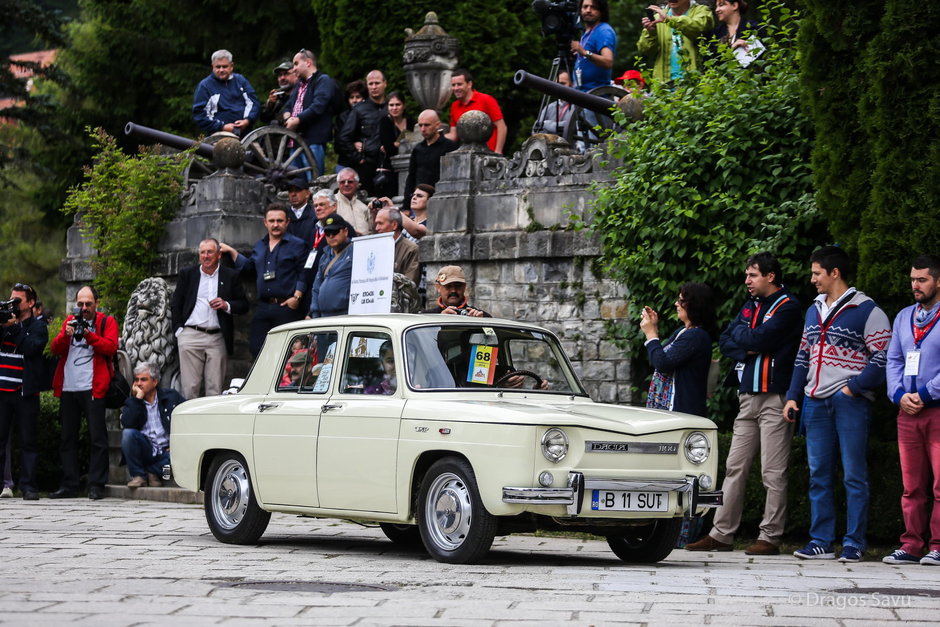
(705,482)
(697,447)
(554,445)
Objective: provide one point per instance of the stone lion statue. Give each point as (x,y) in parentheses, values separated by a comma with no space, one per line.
(148,330)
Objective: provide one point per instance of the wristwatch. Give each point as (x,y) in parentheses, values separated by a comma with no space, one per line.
(588,54)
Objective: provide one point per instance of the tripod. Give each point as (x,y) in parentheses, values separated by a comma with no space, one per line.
(561,62)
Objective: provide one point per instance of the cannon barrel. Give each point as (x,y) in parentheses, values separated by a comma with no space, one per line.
(167,139)
(580,98)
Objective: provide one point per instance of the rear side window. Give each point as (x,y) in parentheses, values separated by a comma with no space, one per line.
(307,366)
(370,366)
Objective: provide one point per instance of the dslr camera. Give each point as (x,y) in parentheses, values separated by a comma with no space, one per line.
(79,323)
(9,309)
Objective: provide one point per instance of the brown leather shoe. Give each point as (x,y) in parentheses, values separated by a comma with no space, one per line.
(154,481)
(762,547)
(708,543)
(137,482)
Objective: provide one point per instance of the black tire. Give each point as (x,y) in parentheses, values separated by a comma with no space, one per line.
(403,535)
(454,525)
(647,544)
(231,509)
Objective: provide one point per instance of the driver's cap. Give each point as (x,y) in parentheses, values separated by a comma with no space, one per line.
(451,274)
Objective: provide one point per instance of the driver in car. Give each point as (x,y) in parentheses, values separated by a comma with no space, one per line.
(452,294)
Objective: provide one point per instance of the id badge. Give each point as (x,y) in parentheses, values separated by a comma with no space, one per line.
(310,259)
(739,368)
(912,363)
(270,275)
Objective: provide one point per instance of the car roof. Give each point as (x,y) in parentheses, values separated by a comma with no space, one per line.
(398,322)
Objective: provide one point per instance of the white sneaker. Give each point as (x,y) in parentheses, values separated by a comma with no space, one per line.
(931,559)
(6,493)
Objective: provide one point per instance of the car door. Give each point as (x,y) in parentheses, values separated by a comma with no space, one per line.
(288,421)
(358,443)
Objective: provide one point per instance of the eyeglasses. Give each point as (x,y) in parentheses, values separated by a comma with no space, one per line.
(347,182)
(22,287)
(330,233)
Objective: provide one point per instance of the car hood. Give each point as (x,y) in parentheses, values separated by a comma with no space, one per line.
(541,411)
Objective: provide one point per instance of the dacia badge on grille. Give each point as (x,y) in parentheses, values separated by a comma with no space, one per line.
(655,448)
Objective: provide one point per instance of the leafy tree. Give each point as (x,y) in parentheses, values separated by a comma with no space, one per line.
(123,206)
(870,77)
(718,169)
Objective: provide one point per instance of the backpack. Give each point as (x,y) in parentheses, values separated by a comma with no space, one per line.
(120,387)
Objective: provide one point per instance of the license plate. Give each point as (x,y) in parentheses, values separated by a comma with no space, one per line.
(627,501)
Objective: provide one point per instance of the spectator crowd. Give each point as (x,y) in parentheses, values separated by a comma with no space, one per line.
(817,372)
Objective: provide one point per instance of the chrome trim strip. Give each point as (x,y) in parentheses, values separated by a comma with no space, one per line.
(651,448)
(542,496)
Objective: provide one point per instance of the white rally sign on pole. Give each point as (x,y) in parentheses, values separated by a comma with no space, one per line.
(370,290)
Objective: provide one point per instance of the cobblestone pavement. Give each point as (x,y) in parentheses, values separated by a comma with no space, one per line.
(115,562)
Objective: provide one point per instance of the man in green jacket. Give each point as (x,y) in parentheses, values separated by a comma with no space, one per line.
(672,36)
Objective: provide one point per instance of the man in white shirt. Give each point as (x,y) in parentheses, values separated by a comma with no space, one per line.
(205,299)
(348,204)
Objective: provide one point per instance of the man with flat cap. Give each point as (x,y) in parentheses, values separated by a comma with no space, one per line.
(452,294)
(273,109)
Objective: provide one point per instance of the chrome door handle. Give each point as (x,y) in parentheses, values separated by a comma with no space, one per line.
(264,406)
(328,407)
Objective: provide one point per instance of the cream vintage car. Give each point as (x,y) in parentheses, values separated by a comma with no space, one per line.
(444,430)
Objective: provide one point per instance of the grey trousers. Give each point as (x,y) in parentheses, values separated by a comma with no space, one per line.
(759,426)
(202,358)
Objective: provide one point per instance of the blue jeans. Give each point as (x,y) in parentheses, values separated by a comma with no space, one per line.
(319,156)
(837,424)
(138,452)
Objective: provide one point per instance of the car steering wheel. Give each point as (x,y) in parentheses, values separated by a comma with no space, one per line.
(525,373)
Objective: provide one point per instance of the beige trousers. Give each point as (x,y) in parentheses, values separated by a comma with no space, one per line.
(202,358)
(759,426)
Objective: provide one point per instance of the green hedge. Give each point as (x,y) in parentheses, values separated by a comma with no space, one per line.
(884,472)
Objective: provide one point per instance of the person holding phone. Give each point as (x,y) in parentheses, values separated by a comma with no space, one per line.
(681,363)
(670,36)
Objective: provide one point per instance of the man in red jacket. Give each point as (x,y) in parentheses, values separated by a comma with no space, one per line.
(85,346)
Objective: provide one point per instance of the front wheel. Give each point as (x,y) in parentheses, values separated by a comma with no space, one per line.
(231,509)
(403,535)
(647,544)
(454,525)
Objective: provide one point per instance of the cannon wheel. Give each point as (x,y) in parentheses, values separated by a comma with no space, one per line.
(579,128)
(268,156)
(270,153)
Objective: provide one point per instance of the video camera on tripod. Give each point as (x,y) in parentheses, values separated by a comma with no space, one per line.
(9,309)
(560,19)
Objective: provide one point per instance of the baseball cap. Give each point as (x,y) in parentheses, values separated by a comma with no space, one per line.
(284,67)
(335,223)
(630,75)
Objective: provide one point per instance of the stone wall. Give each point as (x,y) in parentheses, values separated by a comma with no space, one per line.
(505,221)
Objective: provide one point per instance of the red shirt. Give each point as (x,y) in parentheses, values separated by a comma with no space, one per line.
(478,102)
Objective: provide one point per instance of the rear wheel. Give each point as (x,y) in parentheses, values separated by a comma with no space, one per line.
(647,544)
(455,527)
(232,512)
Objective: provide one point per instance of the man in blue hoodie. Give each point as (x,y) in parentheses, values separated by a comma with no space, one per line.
(225,101)
(914,386)
(762,341)
(840,363)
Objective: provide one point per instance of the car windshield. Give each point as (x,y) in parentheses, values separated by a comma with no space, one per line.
(480,356)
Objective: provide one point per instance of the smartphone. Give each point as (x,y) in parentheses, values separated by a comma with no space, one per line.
(651,15)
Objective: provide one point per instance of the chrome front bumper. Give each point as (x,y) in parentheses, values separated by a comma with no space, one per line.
(690,497)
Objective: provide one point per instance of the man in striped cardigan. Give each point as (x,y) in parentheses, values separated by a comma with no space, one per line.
(762,341)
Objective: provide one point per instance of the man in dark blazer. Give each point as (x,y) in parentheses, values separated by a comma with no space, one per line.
(205,299)
(310,108)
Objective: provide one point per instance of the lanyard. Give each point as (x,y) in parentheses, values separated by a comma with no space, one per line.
(921,332)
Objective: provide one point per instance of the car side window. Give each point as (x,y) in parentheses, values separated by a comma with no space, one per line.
(370,364)
(308,363)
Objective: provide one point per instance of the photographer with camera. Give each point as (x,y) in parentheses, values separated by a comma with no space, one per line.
(273,109)
(85,345)
(22,340)
(451,286)
(594,52)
